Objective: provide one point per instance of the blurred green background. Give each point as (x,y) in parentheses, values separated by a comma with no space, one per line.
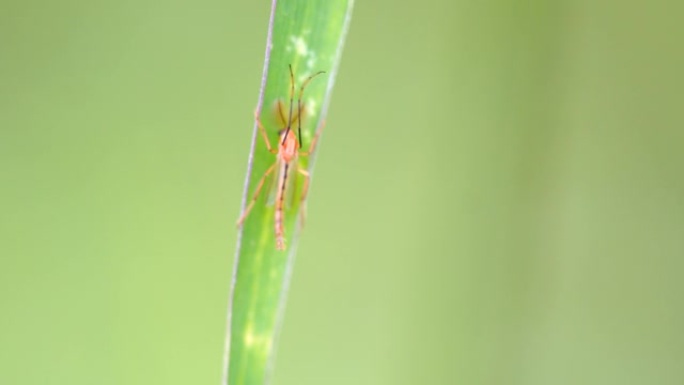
(498,197)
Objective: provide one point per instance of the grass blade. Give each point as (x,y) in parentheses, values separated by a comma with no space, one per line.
(309,36)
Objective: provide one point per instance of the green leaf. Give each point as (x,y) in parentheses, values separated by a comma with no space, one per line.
(308,35)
